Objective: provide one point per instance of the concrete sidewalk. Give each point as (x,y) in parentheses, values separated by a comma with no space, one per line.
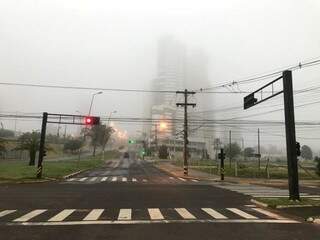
(178,171)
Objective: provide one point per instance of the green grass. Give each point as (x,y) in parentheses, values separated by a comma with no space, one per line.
(273,202)
(20,171)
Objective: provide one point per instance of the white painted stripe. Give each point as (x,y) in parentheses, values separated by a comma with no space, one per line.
(104,179)
(124,179)
(214,213)
(6,212)
(93,179)
(155,214)
(184,213)
(61,215)
(182,179)
(171,178)
(110,222)
(268,213)
(194,180)
(29,215)
(242,213)
(125,214)
(134,179)
(93,215)
(83,179)
(114,179)
(71,179)
(144,180)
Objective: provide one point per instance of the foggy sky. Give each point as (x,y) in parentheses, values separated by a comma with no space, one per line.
(112,44)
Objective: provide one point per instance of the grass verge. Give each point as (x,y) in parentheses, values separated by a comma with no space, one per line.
(275,202)
(19,171)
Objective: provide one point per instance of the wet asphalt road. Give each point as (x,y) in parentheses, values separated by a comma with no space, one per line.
(132,199)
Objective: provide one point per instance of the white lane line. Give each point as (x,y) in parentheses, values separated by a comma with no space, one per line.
(134,179)
(93,215)
(6,212)
(93,179)
(61,215)
(29,215)
(125,214)
(155,214)
(214,213)
(114,179)
(126,222)
(242,213)
(124,179)
(268,213)
(184,213)
(194,180)
(104,179)
(144,180)
(71,179)
(172,178)
(83,179)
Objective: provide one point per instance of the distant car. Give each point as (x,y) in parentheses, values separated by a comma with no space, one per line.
(126,155)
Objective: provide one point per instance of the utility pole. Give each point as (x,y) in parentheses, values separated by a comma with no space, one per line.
(185,131)
(230,148)
(156,136)
(221,157)
(259,153)
(42,143)
(293,177)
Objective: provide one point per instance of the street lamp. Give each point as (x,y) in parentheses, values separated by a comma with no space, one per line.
(97,93)
(110,116)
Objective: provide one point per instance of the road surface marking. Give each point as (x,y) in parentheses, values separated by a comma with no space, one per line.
(268,213)
(61,215)
(93,179)
(155,214)
(71,179)
(124,179)
(83,179)
(6,212)
(182,179)
(125,222)
(144,180)
(134,179)
(29,215)
(172,178)
(104,179)
(194,180)
(184,213)
(93,215)
(242,213)
(114,179)
(125,214)
(214,213)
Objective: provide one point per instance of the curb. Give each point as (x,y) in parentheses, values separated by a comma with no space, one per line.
(292,206)
(259,203)
(75,173)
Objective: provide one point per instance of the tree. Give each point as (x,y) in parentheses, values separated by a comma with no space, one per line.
(73,145)
(317,160)
(248,152)
(5,133)
(2,145)
(234,151)
(306,152)
(99,135)
(29,141)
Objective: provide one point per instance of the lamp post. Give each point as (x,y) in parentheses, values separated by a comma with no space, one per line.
(103,150)
(110,116)
(93,95)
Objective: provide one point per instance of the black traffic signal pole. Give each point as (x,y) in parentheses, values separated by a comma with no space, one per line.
(185,131)
(293,178)
(42,143)
(222,157)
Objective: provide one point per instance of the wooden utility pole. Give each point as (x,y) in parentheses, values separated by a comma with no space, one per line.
(230,149)
(185,104)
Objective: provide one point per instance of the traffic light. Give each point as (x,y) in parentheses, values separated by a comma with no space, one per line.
(298,149)
(249,101)
(131,141)
(90,120)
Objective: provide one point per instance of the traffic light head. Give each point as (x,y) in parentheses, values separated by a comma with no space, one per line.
(90,120)
(131,141)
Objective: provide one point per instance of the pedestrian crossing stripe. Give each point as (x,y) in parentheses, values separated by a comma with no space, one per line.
(156,215)
(125,179)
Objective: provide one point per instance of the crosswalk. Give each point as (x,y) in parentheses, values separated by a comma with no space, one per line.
(243,214)
(260,191)
(126,179)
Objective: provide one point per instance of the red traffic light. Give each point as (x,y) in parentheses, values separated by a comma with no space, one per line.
(89,120)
